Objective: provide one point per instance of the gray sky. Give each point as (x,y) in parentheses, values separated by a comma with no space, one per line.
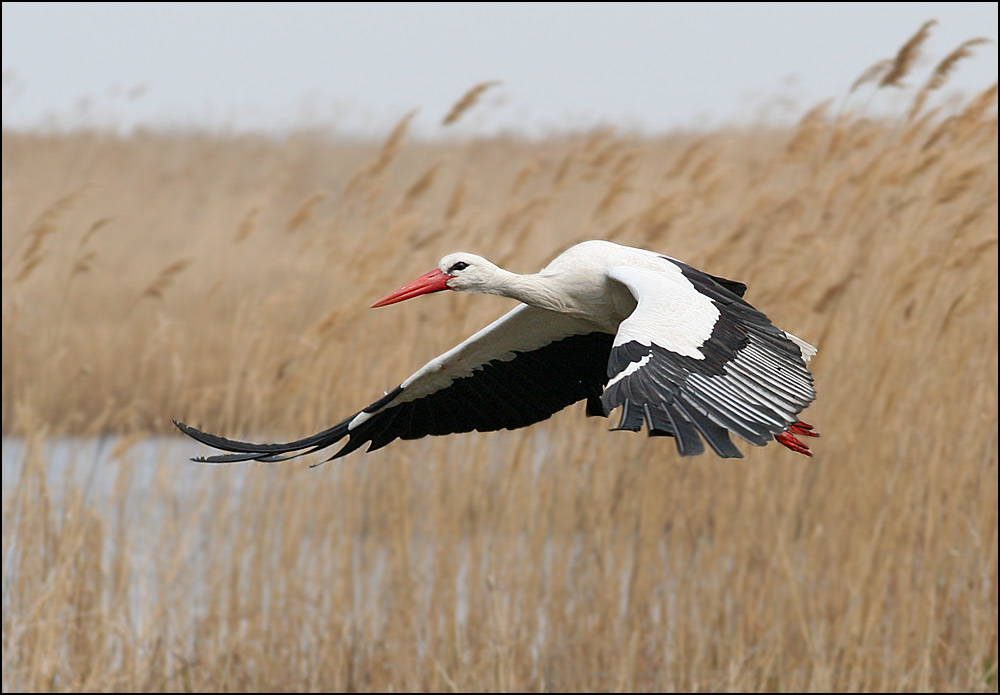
(358,67)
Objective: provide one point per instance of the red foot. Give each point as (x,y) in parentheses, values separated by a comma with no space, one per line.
(788,438)
(803,429)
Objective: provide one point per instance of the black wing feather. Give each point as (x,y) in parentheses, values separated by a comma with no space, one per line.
(497,395)
(752,380)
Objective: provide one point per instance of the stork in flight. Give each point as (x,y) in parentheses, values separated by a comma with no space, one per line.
(675,348)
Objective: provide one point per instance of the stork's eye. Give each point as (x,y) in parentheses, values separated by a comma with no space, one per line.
(461,265)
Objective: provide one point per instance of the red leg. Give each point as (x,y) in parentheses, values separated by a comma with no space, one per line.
(803,429)
(789,440)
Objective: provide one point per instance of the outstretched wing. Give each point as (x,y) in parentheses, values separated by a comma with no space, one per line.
(694,360)
(522,368)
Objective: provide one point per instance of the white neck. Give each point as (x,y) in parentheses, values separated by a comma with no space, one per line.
(542,291)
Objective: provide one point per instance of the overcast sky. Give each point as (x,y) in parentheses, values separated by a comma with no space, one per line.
(358,67)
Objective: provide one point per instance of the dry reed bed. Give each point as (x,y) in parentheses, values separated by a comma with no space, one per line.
(225,281)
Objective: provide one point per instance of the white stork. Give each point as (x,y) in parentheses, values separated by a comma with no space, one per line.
(677,349)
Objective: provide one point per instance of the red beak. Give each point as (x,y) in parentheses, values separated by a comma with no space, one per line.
(434,281)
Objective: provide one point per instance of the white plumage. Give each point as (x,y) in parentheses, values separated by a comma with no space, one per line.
(679,351)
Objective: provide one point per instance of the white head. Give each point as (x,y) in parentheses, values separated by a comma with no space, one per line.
(467,272)
(462,272)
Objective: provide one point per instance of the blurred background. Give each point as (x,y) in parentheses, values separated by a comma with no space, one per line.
(355,68)
(201,201)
